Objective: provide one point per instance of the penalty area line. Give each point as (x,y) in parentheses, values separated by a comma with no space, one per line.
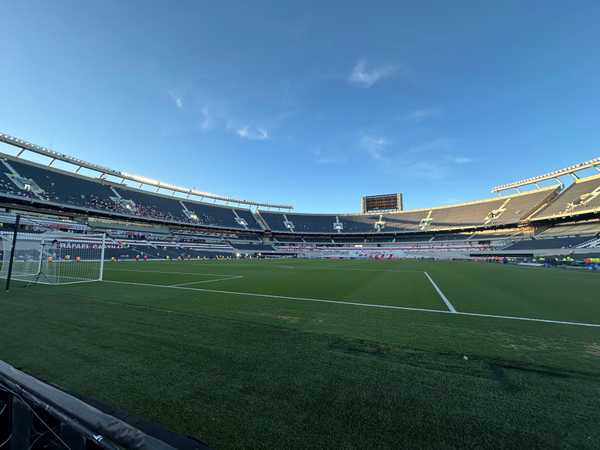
(450,306)
(365,305)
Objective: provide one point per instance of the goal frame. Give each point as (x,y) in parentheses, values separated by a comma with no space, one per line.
(52,258)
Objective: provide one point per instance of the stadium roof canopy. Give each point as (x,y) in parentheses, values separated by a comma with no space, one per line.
(143,181)
(554,175)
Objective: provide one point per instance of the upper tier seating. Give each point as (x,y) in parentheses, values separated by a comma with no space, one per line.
(581,197)
(572,229)
(249,218)
(299,223)
(44,185)
(497,211)
(550,243)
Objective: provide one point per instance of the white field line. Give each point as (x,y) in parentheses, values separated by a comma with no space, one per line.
(235,277)
(226,275)
(450,306)
(366,305)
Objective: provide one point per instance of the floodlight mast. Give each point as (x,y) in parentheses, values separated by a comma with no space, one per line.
(24,146)
(554,175)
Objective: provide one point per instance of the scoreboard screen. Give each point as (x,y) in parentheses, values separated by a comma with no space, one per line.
(382,203)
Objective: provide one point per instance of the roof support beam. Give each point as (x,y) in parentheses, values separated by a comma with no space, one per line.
(571,170)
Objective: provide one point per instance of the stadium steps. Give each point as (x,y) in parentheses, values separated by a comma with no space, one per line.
(261,221)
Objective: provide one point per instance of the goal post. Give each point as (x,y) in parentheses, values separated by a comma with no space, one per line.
(52,257)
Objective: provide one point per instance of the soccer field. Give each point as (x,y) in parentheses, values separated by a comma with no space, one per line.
(337,354)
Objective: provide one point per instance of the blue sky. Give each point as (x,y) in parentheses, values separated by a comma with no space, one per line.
(308,103)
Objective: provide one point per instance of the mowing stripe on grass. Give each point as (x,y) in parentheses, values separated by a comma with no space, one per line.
(226,275)
(441,294)
(237,264)
(366,305)
(282,297)
(206,281)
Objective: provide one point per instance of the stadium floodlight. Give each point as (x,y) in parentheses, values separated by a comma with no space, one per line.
(592,163)
(16,142)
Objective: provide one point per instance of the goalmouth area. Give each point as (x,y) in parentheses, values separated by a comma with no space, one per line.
(325,353)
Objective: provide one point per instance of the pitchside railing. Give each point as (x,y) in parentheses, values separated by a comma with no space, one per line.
(52,257)
(35,415)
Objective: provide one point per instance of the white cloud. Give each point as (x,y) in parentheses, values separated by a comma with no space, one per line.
(374,146)
(460,159)
(364,76)
(431,147)
(421,115)
(327,157)
(176,97)
(429,170)
(207,121)
(251,133)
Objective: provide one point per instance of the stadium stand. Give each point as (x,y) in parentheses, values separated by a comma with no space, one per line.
(43,185)
(583,196)
(549,243)
(252,246)
(280,238)
(572,229)
(157,225)
(379,238)
(359,223)
(451,236)
(323,239)
(249,218)
(299,223)
(503,210)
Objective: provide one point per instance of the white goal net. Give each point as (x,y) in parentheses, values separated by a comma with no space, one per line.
(53,258)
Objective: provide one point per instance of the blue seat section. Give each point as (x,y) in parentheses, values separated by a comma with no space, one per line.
(549,243)
(218,216)
(359,223)
(44,185)
(155,206)
(249,218)
(274,220)
(60,188)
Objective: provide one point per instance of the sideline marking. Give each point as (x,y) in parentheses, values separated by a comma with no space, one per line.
(367,305)
(441,294)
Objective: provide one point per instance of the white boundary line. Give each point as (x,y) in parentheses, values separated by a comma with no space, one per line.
(450,306)
(367,305)
(235,277)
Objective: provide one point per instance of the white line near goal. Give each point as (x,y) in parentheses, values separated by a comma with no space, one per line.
(450,306)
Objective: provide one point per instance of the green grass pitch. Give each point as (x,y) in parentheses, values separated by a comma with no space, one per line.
(325,354)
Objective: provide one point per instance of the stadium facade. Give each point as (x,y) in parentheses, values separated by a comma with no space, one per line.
(149,218)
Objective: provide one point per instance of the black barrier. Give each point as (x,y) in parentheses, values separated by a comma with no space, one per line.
(34,414)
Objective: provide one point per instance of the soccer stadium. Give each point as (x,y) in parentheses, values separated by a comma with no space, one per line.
(286,225)
(244,324)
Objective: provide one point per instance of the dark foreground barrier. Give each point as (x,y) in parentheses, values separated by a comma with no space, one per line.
(36,415)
